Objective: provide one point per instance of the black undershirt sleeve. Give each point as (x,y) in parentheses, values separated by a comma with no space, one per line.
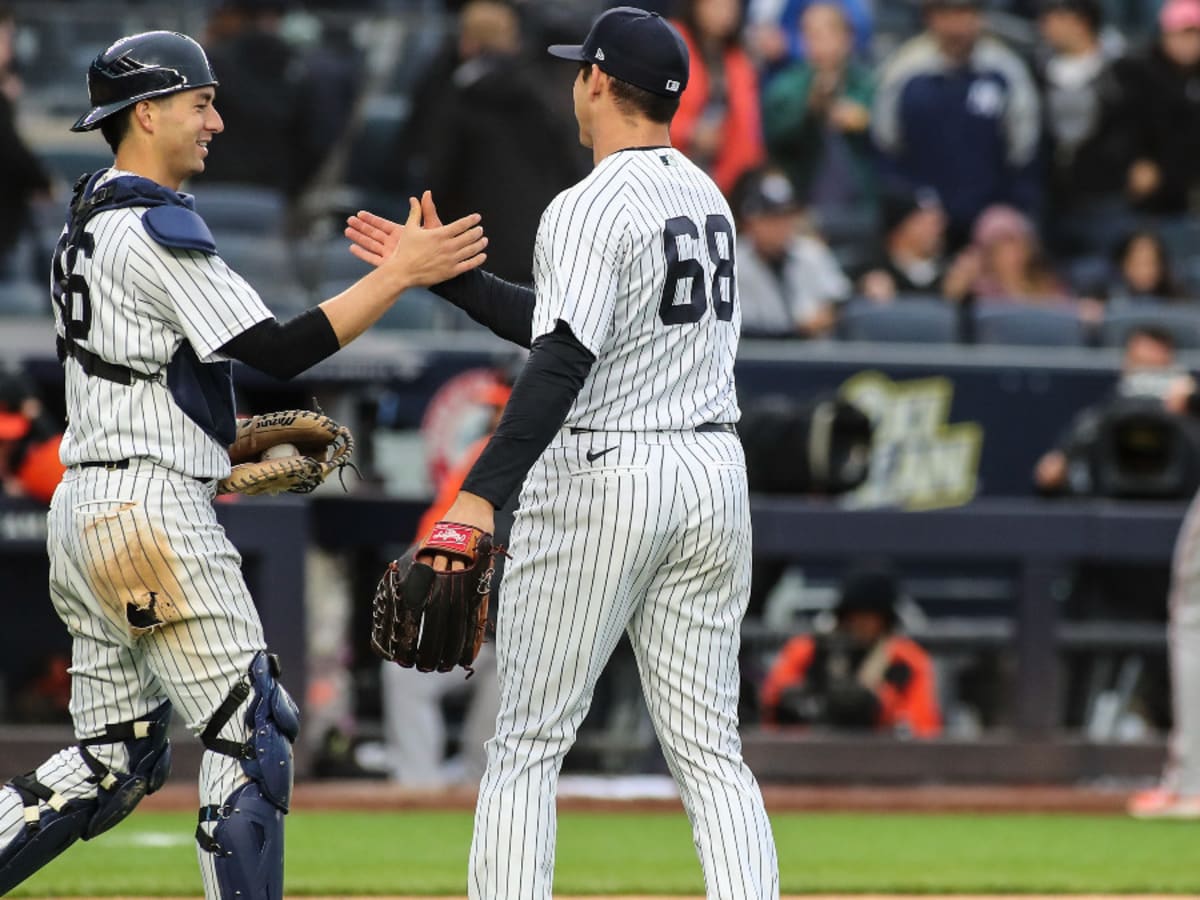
(557,367)
(504,307)
(284,351)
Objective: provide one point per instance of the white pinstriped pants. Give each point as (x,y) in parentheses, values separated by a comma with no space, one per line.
(1183,766)
(653,538)
(113,537)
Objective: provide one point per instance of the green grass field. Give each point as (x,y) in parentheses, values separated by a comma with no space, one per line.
(609,853)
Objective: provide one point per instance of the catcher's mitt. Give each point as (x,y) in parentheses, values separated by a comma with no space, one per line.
(435,620)
(318,445)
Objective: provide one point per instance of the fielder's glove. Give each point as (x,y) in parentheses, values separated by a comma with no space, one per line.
(321,447)
(436,620)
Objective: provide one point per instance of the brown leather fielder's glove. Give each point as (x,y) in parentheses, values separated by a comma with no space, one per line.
(317,446)
(436,620)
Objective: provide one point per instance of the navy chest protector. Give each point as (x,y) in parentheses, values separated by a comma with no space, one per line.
(204,391)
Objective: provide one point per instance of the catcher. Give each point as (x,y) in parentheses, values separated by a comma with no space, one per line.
(147,319)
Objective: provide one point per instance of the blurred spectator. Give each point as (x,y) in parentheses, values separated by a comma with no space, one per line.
(719,123)
(1148,367)
(862,675)
(1090,140)
(24,178)
(1142,270)
(959,112)
(788,282)
(774,32)
(496,147)
(277,130)
(414,722)
(912,258)
(816,116)
(1003,262)
(29,441)
(1165,95)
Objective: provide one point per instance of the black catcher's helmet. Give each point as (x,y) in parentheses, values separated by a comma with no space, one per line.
(152,64)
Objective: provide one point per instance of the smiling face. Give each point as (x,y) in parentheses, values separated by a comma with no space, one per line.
(184,124)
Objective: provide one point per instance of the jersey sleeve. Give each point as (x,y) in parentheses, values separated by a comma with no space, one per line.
(210,302)
(582,241)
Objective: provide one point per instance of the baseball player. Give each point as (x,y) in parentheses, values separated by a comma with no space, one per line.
(634,512)
(1177,796)
(148,318)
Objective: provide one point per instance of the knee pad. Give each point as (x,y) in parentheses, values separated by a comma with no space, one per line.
(49,832)
(246,844)
(149,765)
(247,840)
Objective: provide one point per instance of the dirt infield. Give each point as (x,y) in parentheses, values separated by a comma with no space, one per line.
(363,795)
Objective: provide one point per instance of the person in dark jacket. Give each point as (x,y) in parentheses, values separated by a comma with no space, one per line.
(268,92)
(959,112)
(23,176)
(495,145)
(1089,135)
(1165,94)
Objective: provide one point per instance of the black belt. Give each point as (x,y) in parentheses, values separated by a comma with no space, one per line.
(121,465)
(723,427)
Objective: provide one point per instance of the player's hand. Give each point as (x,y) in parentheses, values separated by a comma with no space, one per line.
(467,509)
(427,255)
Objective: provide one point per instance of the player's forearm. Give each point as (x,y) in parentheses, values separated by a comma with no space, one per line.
(285,350)
(361,305)
(540,401)
(504,307)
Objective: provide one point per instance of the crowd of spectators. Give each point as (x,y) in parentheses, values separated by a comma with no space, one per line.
(1040,153)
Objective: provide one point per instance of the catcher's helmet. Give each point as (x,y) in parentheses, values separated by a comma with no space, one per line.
(152,64)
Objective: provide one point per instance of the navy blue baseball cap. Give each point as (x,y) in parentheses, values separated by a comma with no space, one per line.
(636,46)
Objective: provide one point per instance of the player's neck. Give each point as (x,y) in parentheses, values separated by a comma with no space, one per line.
(625,134)
(131,160)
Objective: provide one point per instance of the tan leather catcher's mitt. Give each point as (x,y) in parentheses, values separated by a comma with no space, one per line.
(309,446)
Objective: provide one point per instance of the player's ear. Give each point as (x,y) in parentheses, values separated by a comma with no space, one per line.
(144,113)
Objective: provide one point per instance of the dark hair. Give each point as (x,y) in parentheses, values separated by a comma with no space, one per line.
(691,24)
(630,98)
(115,127)
(1166,286)
(1151,332)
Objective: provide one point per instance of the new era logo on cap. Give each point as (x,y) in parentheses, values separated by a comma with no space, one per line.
(639,47)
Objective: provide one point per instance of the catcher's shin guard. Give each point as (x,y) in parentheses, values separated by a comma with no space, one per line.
(53,823)
(247,840)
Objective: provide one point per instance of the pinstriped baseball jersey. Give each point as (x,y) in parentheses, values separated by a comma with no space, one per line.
(142,300)
(633,519)
(658,251)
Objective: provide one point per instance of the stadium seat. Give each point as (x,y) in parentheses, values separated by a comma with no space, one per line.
(69,162)
(240,208)
(1031,326)
(1182,324)
(924,320)
(23,298)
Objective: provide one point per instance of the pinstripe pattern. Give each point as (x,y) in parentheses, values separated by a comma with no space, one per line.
(1183,767)
(650,536)
(647,376)
(145,300)
(141,572)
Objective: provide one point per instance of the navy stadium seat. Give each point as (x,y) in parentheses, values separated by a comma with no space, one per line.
(1183,324)
(1016,324)
(908,320)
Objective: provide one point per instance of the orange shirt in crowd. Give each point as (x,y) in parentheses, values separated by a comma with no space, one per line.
(742,145)
(915,705)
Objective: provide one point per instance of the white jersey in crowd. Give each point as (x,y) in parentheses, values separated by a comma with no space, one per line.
(144,300)
(604,249)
